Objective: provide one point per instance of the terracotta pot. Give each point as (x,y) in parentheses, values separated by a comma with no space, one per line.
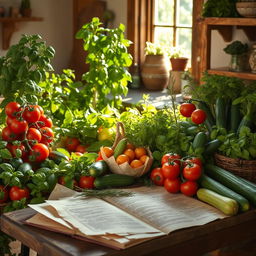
(155,72)
(179,64)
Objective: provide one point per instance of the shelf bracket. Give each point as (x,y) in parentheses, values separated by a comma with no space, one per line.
(249,32)
(7,31)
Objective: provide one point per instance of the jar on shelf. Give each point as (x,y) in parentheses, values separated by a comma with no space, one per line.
(252,59)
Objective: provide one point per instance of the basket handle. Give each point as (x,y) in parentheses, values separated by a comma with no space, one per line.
(120,133)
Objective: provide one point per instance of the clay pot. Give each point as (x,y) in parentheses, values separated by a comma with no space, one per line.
(179,64)
(155,72)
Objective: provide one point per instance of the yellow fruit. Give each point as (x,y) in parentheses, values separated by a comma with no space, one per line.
(106,134)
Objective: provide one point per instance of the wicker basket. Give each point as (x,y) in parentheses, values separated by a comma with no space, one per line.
(125,168)
(243,168)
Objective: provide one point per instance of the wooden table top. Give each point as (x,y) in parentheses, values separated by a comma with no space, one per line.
(190,241)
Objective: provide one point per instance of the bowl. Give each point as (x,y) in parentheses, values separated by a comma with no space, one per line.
(246,9)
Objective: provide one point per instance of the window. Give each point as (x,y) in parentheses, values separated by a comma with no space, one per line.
(172,23)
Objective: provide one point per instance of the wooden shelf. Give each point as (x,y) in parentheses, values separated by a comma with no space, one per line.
(9,26)
(231,21)
(226,72)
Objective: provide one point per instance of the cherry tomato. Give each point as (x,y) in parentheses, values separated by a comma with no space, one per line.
(40,109)
(186,109)
(34,134)
(19,127)
(12,108)
(17,193)
(192,172)
(81,148)
(157,177)
(45,121)
(9,120)
(39,152)
(171,170)
(86,182)
(172,186)
(189,188)
(8,134)
(13,149)
(47,135)
(3,194)
(31,114)
(193,159)
(198,116)
(170,157)
(72,143)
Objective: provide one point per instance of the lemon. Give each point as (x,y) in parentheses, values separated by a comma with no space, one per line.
(107,134)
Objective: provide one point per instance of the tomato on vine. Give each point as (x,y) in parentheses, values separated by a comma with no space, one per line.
(172,185)
(189,188)
(34,134)
(17,193)
(170,157)
(47,134)
(31,114)
(186,109)
(86,182)
(72,143)
(19,127)
(157,177)
(8,134)
(39,152)
(44,121)
(192,172)
(198,116)
(193,159)
(171,170)
(12,108)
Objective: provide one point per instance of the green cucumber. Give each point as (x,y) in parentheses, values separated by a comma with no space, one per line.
(235,117)
(220,110)
(212,146)
(209,183)
(113,180)
(192,130)
(199,140)
(225,204)
(57,156)
(120,147)
(98,168)
(232,181)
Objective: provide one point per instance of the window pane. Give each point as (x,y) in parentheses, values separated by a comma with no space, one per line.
(184,12)
(184,36)
(163,35)
(164,12)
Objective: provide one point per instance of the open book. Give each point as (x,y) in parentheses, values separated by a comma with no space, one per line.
(121,222)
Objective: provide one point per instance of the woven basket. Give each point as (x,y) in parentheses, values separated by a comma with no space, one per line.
(243,168)
(125,168)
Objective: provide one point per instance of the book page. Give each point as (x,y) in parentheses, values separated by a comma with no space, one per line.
(165,211)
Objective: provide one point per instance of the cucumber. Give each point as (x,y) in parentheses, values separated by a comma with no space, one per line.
(199,140)
(119,149)
(225,204)
(232,181)
(220,110)
(212,146)
(192,130)
(209,183)
(113,180)
(57,156)
(25,167)
(235,117)
(98,168)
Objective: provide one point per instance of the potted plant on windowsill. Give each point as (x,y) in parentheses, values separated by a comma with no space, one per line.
(177,58)
(25,8)
(155,69)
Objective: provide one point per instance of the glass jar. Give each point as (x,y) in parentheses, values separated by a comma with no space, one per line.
(252,59)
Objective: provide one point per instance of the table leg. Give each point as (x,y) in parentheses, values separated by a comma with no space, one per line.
(24,250)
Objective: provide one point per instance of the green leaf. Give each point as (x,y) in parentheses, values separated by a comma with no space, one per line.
(5,154)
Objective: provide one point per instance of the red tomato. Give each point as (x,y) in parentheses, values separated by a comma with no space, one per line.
(19,127)
(192,172)
(86,182)
(172,186)
(157,177)
(34,134)
(47,135)
(81,149)
(31,114)
(13,148)
(9,120)
(99,158)
(193,159)
(186,109)
(189,188)
(45,121)
(12,108)
(72,143)
(3,194)
(39,152)
(17,193)
(62,180)
(8,134)
(171,170)
(198,116)
(40,109)
(170,157)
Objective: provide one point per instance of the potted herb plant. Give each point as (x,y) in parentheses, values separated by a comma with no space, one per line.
(155,69)
(177,58)
(238,52)
(25,8)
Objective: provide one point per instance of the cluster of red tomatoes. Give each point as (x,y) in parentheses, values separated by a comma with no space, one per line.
(197,116)
(178,175)
(73,144)
(28,125)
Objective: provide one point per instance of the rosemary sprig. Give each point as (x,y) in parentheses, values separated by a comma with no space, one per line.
(105,193)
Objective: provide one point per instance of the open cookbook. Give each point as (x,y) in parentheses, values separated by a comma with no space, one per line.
(121,222)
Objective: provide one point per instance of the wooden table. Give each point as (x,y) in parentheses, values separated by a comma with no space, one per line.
(190,241)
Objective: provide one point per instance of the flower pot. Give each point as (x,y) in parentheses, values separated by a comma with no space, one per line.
(179,64)
(155,72)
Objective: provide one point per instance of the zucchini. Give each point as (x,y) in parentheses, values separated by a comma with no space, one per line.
(210,121)
(225,204)
(199,140)
(220,110)
(192,130)
(98,168)
(113,180)
(120,147)
(235,117)
(209,183)
(57,156)
(232,181)
(212,146)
